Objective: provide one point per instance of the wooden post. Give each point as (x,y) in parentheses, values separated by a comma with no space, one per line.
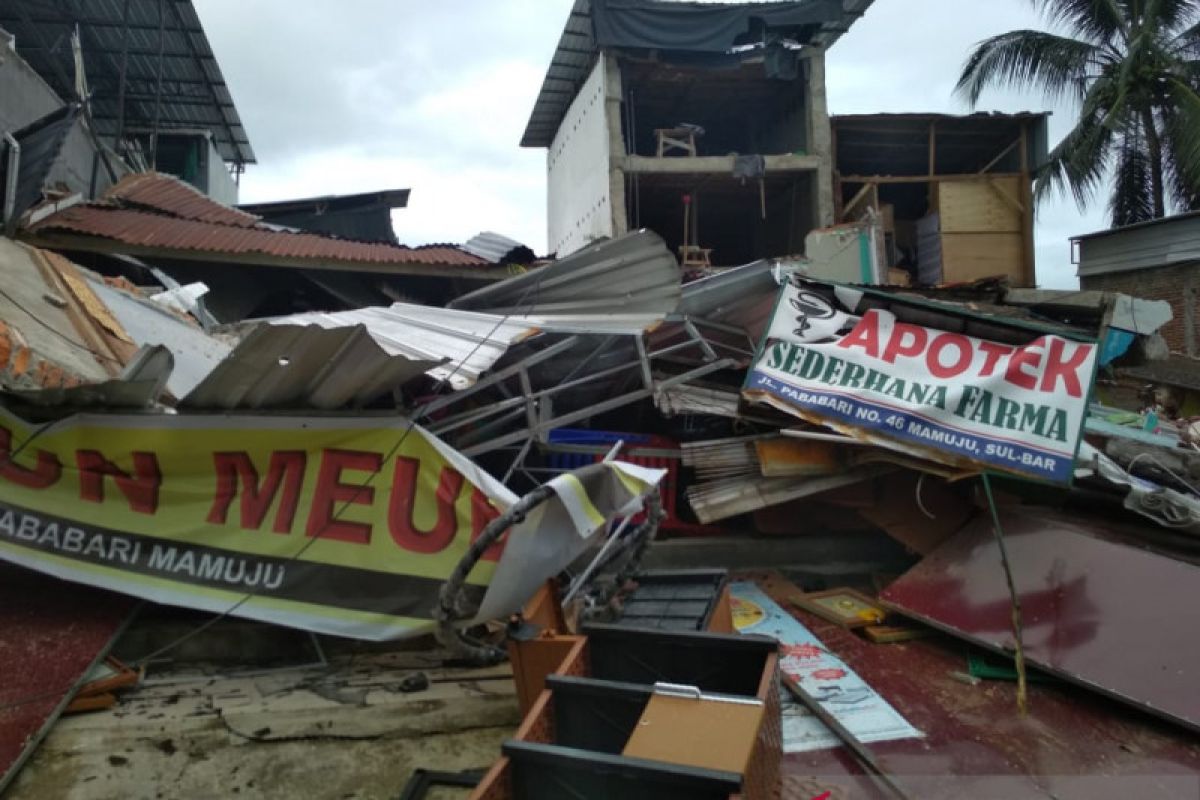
(932,149)
(1029,267)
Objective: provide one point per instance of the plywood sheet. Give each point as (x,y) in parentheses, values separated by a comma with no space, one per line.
(1107,615)
(971,256)
(983,206)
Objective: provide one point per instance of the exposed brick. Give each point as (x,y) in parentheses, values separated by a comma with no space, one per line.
(1164,283)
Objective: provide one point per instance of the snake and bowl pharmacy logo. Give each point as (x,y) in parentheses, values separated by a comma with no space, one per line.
(746,613)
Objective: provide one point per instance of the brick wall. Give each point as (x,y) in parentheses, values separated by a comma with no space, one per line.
(1178,285)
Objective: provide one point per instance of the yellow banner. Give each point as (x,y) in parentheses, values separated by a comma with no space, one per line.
(339,525)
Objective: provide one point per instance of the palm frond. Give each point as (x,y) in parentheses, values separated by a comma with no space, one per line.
(1099,21)
(1077,164)
(1168,16)
(1057,65)
(1181,115)
(1132,196)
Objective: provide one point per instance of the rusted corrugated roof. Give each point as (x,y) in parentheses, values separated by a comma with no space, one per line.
(159,215)
(172,196)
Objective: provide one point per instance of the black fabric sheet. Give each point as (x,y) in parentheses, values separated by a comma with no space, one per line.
(703,28)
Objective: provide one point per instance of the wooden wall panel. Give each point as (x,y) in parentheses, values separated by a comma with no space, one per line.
(983,206)
(971,256)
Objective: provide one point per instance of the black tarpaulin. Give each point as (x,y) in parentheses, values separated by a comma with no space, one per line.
(706,28)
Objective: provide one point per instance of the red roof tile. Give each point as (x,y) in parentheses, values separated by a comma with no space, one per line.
(160,212)
(172,196)
(144,229)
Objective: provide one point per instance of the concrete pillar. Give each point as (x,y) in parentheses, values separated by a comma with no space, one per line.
(820,136)
(614,97)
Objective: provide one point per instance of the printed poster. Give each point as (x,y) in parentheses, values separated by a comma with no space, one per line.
(822,674)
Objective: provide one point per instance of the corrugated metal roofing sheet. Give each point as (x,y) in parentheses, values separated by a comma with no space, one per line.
(577,51)
(290,366)
(148,230)
(148,323)
(634,275)
(463,343)
(182,219)
(194,91)
(491,246)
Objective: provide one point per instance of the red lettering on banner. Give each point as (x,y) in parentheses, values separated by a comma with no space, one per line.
(864,335)
(966,354)
(1067,369)
(403,528)
(896,346)
(992,353)
(332,497)
(46,473)
(140,488)
(286,470)
(1028,356)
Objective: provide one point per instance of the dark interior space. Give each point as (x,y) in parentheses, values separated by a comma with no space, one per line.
(726,213)
(741,108)
(899,144)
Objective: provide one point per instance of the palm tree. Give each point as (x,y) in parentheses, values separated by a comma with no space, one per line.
(1133,67)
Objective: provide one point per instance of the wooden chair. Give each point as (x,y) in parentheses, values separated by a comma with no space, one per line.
(672,139)
(692,256)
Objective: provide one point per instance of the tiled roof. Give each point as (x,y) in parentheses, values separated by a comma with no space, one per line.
(169,195)
(163,214)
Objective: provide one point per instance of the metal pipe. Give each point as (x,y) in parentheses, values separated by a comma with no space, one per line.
(10,184)
(162,19)
(119,135)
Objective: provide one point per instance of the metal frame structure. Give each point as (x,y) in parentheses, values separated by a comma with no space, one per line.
(149,64)
(532,410)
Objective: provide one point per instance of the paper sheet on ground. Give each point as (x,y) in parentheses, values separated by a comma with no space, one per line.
(823,675)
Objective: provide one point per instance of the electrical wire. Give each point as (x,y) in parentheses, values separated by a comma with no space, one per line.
(219,616)
(418,414)
(59,333)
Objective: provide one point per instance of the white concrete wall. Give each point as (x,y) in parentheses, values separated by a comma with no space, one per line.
(218,183)
(579,196)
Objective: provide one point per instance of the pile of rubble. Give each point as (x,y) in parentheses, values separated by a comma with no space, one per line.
(335,471)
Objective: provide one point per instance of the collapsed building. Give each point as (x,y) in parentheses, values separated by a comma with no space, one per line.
(712,503)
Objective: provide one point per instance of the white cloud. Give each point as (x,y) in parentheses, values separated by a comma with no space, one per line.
(372,94)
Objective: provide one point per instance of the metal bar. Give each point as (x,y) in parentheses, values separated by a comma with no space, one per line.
(10,184)
(865,756)
(595,562)
(530,406)
(504,374)
(647,375)
(120,132)
(716,366)
(704,345)
(484,430)
(467,417)
(524,451)
(566,419)
(211,90)
(162,20)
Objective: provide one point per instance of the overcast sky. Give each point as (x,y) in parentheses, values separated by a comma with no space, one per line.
(360,95)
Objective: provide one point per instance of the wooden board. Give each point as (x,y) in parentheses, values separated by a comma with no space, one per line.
(983,206)
(1112,617)
(713,734)
(971,256)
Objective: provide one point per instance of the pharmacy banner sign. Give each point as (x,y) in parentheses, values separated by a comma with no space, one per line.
(346,526)
(932,393)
